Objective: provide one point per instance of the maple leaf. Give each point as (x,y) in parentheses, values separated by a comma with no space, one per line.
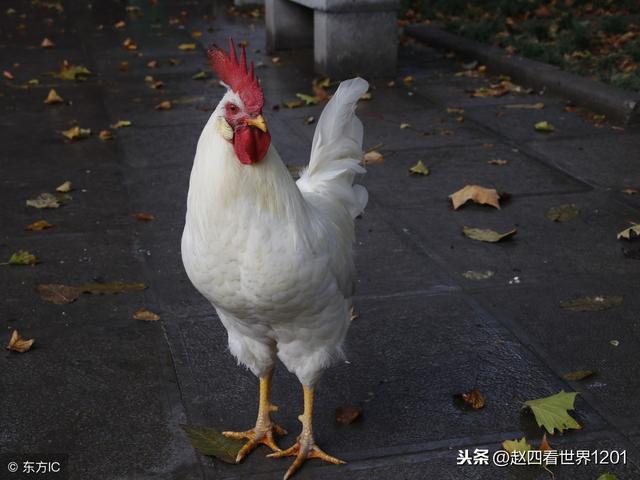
(164,105)
(122,124)
(552,412)
(105,135)
(476,193)
(21,257)
(73,72)
(372,157)
(64,187)
(516,445)
(544,126)
(19,344)
(562,213)
(146,315)
(629,233)
(77,133)
(347,414)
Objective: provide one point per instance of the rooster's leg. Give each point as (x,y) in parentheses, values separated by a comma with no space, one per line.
(305,446)
(262,433)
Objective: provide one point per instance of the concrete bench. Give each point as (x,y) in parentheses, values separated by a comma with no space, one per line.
(349,37)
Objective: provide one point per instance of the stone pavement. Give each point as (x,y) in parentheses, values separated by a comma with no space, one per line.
(111,391)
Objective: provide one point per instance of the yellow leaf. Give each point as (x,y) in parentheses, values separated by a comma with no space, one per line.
(19,344)
(72,72)
(476,193)
(516,445)
(130,44)
(408,80)
(187,46)
(552,412)
(77,133)
(53,98)
(544,127)
(405,125)
(22,257)
(196,34)
(533,106)
(122,124)
(146,315)
(486,235)
(455,110)
(65,187)
(419,169)
(39,225)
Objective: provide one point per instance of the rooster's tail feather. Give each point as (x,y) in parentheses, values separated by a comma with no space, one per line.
(336,151)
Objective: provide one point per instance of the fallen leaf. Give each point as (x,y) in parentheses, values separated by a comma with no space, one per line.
(197,34)
(124,66)
(34,82)
(497,161)
(62,294)
(607,476)
(143,217)
(353,315)
(157,84)
(130,44)
(592,304)
(419,169)
(366,96)
(122,124)
(309,120)
(477,194)
(455,110)
(146,315)
(614,343)
(372,157)
(46,43)
(39,225)
(21,257)
(405,125)
(120,24)
(516,445)
(346,415)
(477,275)
(106,135)
(208,441)
(187,46)
(486,235)
(201,75)
(532,106)
(7,74)
(275,60)
(408,80)
(629,233)
(307,99)
(475,399)
(17,343)
(152,64)
(562,213)
(65,187)
(578,375)
(293,104)
(164,105)
(44,200)
(630,191)
(73,72)
(77,133)
(552,412)
(487,146)
(53,98)
(544,126)
(544,444)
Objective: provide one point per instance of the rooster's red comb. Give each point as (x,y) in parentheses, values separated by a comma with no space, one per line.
(236,75)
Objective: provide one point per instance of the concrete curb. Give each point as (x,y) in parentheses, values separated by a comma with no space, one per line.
(615,103)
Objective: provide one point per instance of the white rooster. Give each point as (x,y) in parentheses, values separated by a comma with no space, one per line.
(273,256)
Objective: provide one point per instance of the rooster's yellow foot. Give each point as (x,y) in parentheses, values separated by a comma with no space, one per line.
(303,449)
(257,436)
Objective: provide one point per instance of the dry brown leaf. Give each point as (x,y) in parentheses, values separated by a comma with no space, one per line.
(124,66)
(53,98)
(187,46)
(475,399)
(122,124)
(347,414)
(152,64)
(77,133)
(143,217)
(146,315)
(373,157)
(408,80)
(39,225)
(164,105)
(7,74)
(487,235)
(476,193)
(46,43)
(58,294)
(130,44)
(65,187)
(198,34)
(106,135)
(19,344)
(157,84)
(353,314)
(631,191)
(487,146)
(120,24)
(497,161)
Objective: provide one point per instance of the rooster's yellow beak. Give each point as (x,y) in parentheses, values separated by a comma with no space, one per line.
(258,122)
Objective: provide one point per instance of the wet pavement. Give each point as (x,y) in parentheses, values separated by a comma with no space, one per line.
(111,392)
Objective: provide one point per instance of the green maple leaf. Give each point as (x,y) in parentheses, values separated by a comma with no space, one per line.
(22,257)
(552,412)
(419,169)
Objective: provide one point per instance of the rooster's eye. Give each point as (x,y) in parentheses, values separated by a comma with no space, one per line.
(232,108)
